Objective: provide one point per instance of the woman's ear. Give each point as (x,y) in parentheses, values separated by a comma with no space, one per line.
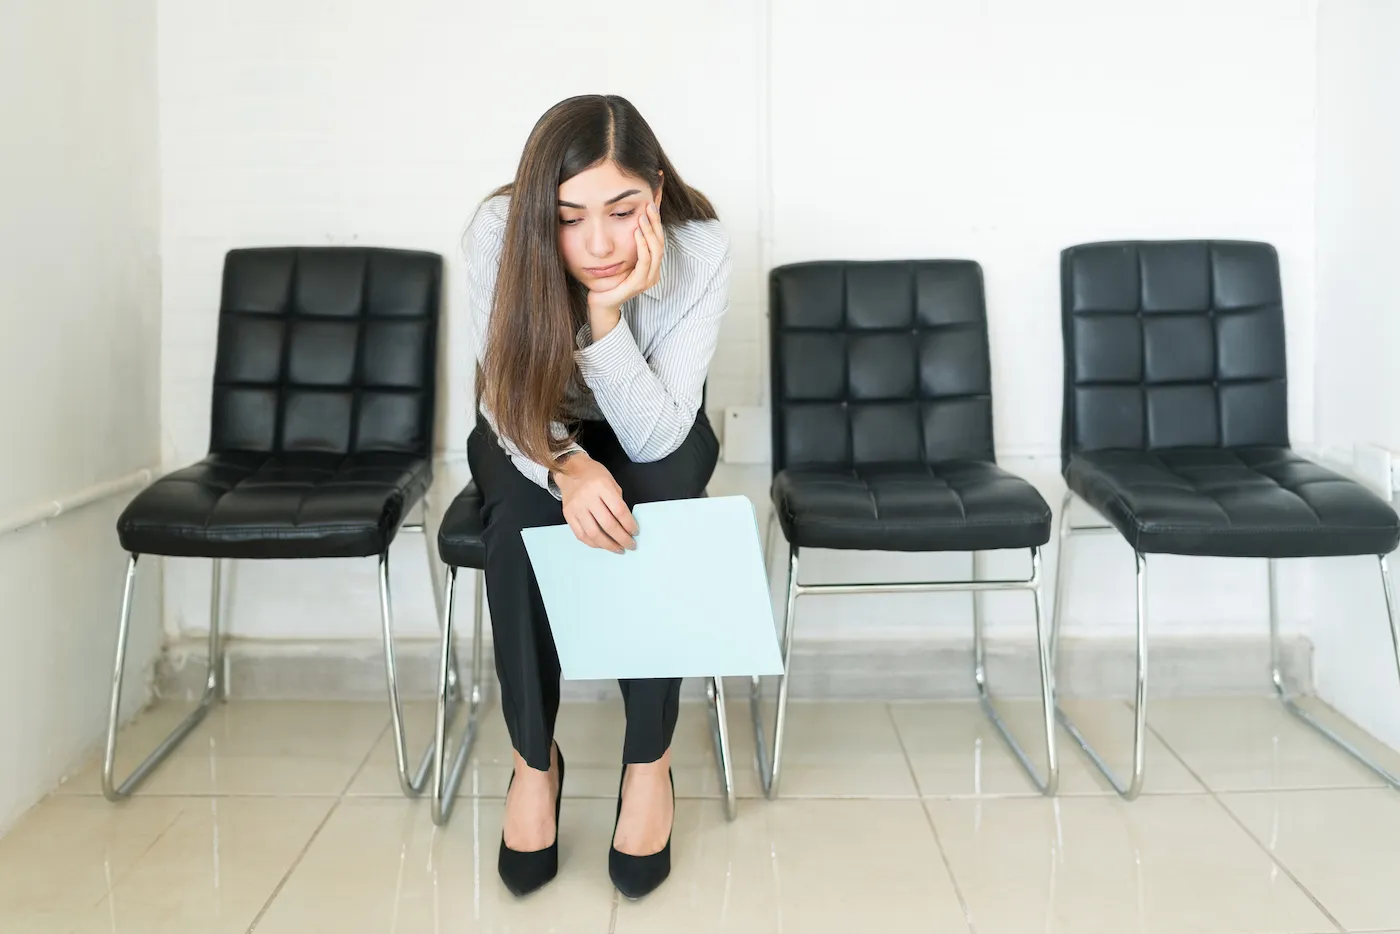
(660,186)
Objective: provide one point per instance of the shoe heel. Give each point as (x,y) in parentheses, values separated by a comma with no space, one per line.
(638,876)
(525,871)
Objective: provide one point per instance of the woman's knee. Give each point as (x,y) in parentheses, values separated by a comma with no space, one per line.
(506,520)
(658,482)
(683,474)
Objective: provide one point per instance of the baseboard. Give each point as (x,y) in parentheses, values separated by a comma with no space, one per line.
(834,670)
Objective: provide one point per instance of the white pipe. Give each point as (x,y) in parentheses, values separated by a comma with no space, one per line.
(85,497)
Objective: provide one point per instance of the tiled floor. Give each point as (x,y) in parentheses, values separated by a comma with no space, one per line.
(286,818)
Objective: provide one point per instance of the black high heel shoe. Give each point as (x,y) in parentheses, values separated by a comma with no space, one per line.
(525,871)
(638,876)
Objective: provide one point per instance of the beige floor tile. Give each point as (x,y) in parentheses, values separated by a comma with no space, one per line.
(40,924)
(1163,864)
(1343,845)
(192,775)
(297,728)
(957,752)
(838,750)
(808,866)
(1253,744)
(378,777)
(66,854)
(380,866)
(248,748)
(590,734)
(212,870)
(591,737)
(172,860)
(134,742)
(692,750)
(832,750)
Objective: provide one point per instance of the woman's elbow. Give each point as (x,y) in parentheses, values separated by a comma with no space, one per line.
(656,446)
(649,452)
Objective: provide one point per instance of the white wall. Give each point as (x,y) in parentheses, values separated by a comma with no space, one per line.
(1358,328)
(1005,131)
(1002,131)
(79,364)
(284,124)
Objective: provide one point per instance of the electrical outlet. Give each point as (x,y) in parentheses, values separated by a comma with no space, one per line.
(1376,467)
(747,435)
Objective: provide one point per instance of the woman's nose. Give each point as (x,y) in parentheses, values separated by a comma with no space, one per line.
(599,243)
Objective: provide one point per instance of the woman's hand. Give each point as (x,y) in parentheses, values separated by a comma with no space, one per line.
(593,505)
(651,243)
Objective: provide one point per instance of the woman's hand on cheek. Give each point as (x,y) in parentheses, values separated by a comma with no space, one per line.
(651,244)
(594,507)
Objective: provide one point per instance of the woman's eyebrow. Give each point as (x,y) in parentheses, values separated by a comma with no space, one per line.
(611,201)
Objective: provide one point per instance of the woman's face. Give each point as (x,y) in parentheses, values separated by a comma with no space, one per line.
(598,211)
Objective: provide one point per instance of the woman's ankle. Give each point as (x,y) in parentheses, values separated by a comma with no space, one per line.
(656,770)
(524,770)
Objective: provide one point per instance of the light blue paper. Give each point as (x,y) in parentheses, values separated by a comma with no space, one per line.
(691,601)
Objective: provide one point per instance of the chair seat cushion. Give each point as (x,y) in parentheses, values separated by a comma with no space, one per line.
(950,506)
(459,536)
(237,505)
(1238,503)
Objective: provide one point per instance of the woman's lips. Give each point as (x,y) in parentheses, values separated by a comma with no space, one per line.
(602,272)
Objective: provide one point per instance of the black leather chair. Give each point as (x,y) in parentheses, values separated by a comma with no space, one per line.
(460,546)
(1176,431)
(320,443)
(882,440)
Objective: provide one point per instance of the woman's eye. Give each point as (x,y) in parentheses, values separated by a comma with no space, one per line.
(628,213)
(569,221)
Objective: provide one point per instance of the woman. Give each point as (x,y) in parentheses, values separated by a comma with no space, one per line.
(598,279)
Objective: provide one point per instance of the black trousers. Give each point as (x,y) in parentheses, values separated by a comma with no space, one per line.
(526,662)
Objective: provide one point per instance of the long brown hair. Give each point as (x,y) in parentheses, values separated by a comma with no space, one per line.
(529,366)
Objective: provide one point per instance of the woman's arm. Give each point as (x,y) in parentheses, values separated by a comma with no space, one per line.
(651,406)
(484,243)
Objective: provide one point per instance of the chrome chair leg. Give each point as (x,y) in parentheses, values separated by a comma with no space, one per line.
(1133,787)
(755,682)
(413,784)
(1051,780)
(1289,700)
(1391,609)
(216,679)
(453,679)
(215,689)
(719,737)
(447,780)
(770,771)
(1062,566)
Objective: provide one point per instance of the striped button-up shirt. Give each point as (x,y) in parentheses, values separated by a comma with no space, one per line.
(647,375)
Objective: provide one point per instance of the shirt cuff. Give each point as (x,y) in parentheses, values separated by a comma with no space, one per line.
(549,483)
(609,356)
